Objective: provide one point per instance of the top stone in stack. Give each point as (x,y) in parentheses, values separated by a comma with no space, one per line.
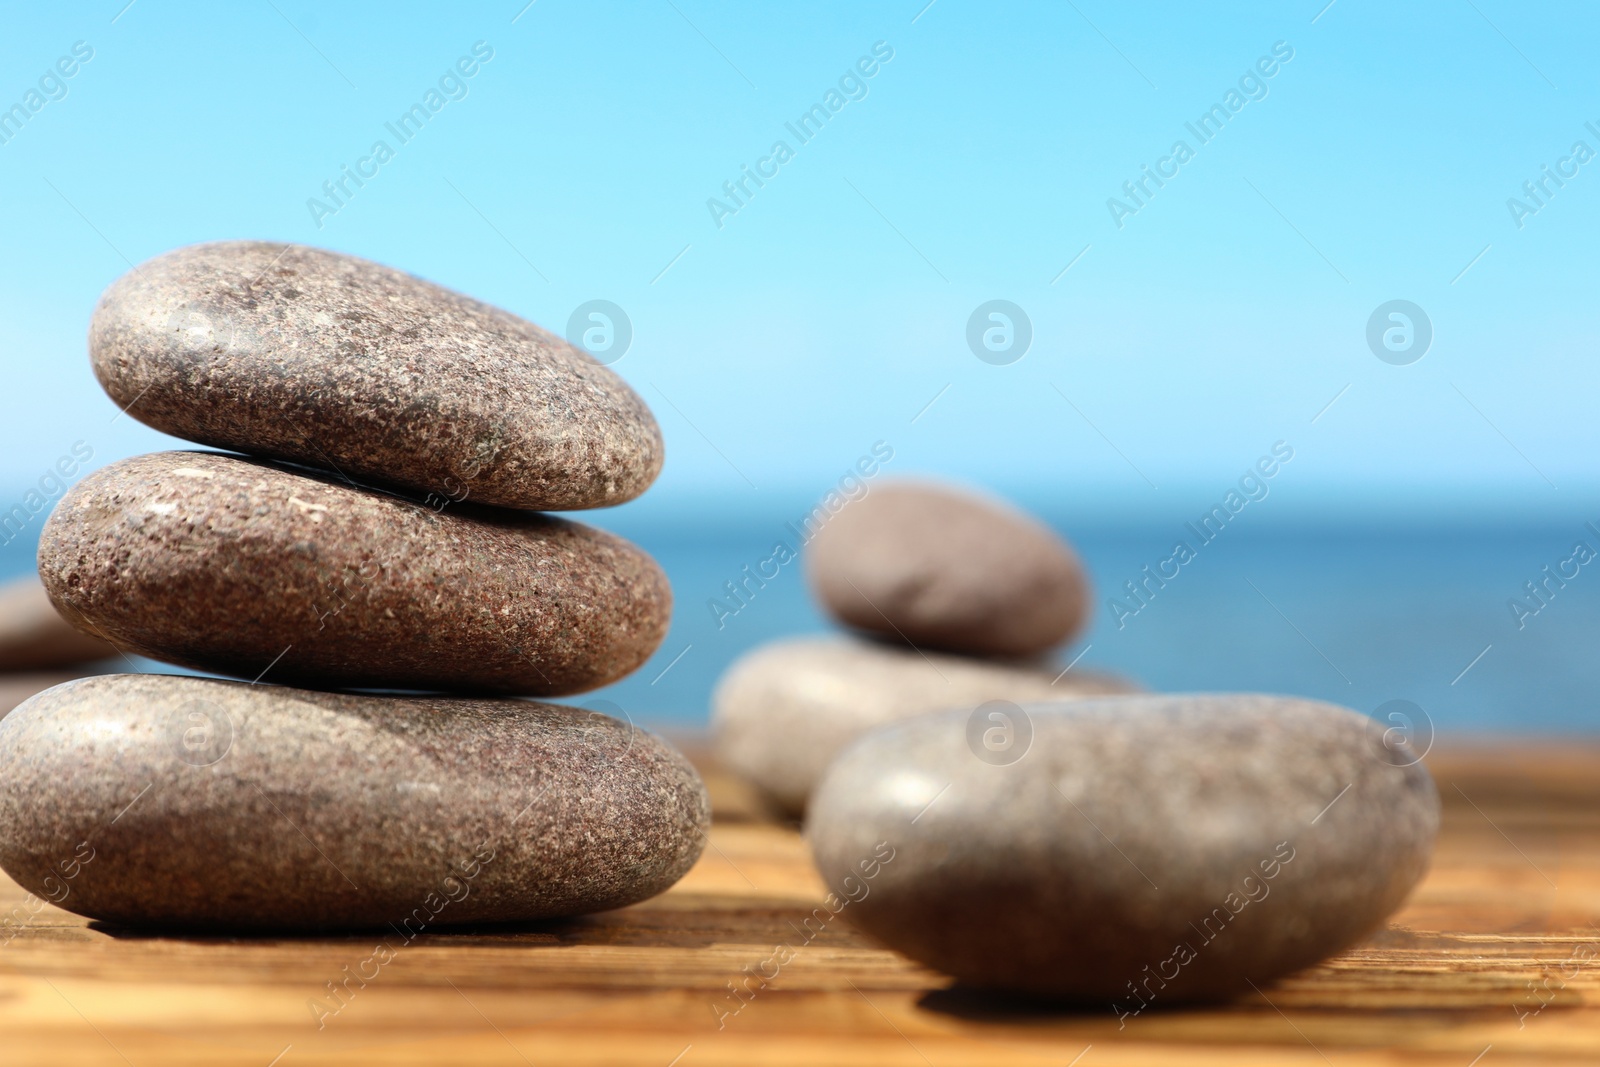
(453,409)
(944,569)
(301,354)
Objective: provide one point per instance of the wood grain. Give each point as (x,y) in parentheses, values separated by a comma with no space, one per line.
(1498,950)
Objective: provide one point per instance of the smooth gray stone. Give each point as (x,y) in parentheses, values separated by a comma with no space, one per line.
(18,687)
(943,568)
(307,355)
(221,805)
(782,712)
(1146,850)
(242,567)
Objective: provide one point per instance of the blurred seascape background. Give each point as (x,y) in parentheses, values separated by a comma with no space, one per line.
(1175,339)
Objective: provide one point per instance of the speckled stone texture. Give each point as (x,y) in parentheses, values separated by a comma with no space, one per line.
(222,563)
(1146,850)
(319,358)
(782,712)
(225,806)
(34,636)
(18,687)
(945,569)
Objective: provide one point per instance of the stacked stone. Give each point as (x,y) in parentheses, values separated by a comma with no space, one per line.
(954,600)
(380,529)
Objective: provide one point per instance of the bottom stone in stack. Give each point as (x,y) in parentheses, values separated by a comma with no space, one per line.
(211,805)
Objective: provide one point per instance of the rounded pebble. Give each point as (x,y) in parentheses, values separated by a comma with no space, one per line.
(320,358)
(781,713)
(16,688)
(1146,850)
(946,569)
(199,804)
(240,567)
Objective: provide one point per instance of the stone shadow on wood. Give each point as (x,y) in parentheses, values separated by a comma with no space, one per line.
(691,922)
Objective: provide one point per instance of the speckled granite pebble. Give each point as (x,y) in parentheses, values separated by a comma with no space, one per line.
(220,805)
(782,712)
(18,687)
(223,564)
(320,358)
(34,636)
(1145,850)
(943,568)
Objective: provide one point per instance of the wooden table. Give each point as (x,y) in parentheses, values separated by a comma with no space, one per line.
(1495,960)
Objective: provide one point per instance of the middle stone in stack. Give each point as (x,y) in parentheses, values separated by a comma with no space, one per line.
(247,568)
(258,569)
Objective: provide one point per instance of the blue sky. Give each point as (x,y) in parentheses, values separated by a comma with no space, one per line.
(832,308)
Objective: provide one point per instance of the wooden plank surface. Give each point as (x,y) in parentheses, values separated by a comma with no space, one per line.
(1497,956)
